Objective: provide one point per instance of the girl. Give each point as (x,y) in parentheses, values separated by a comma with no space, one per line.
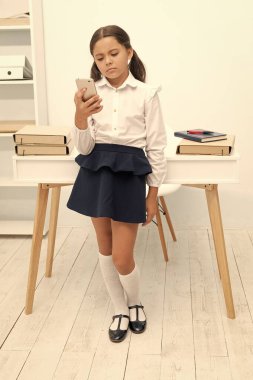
(111,183)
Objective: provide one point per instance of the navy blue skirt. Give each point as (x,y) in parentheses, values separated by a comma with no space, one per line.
(111,183)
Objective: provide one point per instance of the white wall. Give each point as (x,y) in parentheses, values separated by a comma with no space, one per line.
(201,53)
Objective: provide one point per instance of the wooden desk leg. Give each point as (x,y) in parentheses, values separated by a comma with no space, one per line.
(52,229)
(219,242)
(39,221)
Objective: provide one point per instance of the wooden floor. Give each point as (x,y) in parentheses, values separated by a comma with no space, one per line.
(188,334)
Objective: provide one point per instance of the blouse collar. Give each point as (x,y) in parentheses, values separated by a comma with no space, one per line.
(130,81)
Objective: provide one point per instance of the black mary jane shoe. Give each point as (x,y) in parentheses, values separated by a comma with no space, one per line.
(137,326)
(118,335)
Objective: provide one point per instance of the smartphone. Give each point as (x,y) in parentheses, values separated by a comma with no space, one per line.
(89,85)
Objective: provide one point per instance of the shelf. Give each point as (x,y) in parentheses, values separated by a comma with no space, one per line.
(15,27)
(18,227)
(20,81)
(6,134)
(20,99)
(8,127)
(22,23)
(10,182)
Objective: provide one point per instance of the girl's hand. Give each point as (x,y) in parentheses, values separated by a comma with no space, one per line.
(84,109)
(151,208)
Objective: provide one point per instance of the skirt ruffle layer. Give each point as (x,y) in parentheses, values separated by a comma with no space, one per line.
(118,158)
(111,183)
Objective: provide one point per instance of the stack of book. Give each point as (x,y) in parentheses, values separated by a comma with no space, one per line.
(43,140)
(199,141)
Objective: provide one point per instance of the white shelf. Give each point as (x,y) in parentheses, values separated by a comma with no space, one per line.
(10,182)
(20,82)
(14,27)
(9,127)
(18,227)
(6,134)
(20,36)
(19,23)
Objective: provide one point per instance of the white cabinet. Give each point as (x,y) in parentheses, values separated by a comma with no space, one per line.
(21,102)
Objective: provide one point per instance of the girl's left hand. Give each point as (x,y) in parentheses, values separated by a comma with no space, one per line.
(151,208)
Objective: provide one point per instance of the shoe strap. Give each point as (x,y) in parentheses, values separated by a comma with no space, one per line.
(137,311)
(136,307)
(120,316)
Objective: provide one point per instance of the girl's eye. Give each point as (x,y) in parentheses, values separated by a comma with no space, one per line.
(114,54)
(99,59)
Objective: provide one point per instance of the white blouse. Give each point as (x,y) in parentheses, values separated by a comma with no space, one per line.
(132,116)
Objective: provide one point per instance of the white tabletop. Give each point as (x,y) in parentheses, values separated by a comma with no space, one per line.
(184,169)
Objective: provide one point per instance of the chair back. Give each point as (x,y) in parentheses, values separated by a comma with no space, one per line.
(172,141)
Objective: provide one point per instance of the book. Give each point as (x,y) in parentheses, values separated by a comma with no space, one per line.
(41,149)
(200,135)
(32,134)
(220,148)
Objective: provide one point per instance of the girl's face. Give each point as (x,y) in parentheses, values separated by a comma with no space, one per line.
(111,59)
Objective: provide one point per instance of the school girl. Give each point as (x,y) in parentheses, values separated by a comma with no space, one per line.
(111,132)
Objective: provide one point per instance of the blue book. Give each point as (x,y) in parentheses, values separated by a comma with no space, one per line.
(200,135)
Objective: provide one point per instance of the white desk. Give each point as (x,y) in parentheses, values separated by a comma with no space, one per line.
(204,172)
(181,168)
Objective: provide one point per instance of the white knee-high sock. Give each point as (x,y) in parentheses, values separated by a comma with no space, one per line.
(131,285)
(115,290)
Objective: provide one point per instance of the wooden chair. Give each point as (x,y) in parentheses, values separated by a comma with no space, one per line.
(164,189)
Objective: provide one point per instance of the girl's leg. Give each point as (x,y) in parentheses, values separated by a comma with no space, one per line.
(104,235)
(111,278)
(123,241)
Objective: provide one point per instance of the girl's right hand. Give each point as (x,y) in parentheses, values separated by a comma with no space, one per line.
(84,109)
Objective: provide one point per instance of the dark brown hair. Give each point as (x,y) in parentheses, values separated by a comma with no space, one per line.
(136,66)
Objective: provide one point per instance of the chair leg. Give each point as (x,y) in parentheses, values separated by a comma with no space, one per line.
(167,216)
(161,234)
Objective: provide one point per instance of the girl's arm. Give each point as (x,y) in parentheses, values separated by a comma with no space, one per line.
(83,138)
(156,140)
(151,204)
